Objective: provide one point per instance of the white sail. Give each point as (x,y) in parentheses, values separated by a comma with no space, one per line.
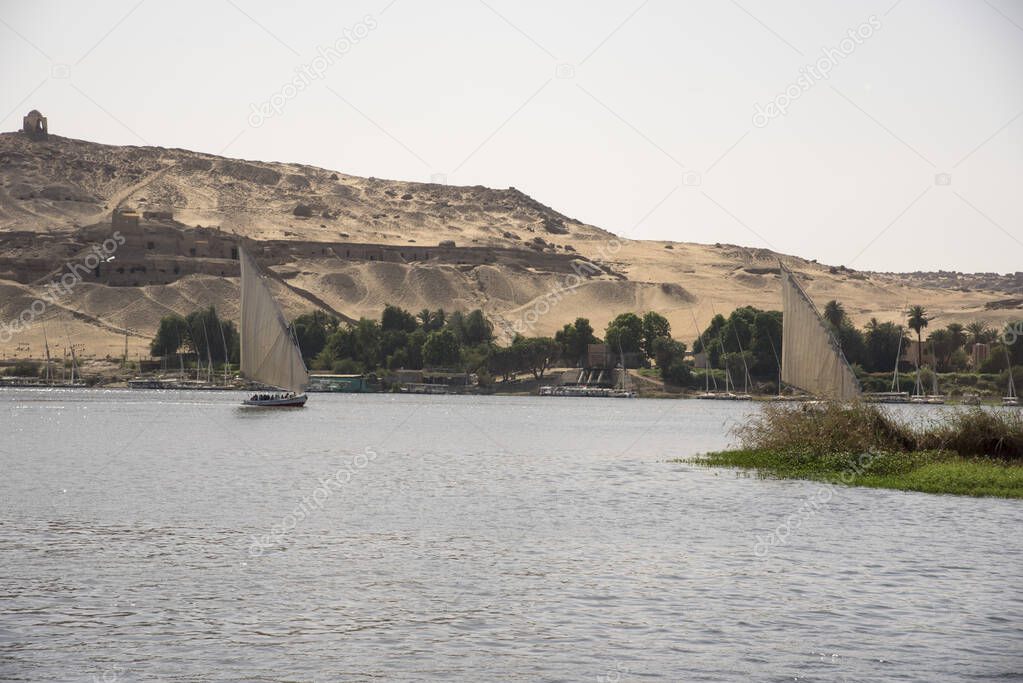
(269,353)
(811,359)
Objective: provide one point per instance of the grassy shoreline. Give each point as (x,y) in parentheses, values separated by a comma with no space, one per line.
(922,471)
(973,452)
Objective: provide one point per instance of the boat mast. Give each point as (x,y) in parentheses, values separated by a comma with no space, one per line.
(776,359)
(745,367)
(1012,384)
(728,372)
(706,354)
(46,344)
(898,354)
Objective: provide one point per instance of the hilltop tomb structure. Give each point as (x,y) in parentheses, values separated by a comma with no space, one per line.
(34,125)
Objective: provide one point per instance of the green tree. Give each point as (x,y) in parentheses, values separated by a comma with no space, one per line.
(852,343)
(944,346)
(882,346)
(655,326)
(957,335)
(312,330)
(537,354)
(171,335)
(476,329)
(431,320)
(678,373)
(710,341)
(574,339)
(368,347)
(504,361)
(441,349)
(414,349)
(209,337)
(395,319)
(917,319)
(766,344)
(980,332)
(667,351)
(456,323)
(834,313)
(624,334)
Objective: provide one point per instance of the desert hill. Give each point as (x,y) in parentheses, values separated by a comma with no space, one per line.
(349,245)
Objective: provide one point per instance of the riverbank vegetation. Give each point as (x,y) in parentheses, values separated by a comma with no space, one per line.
(976,451)
(747,343)
(745,346)
(467,342)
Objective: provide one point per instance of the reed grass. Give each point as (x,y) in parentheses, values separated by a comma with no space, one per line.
(851,427)
(974,451)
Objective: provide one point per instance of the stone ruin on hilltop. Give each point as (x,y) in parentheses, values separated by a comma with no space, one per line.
(34,125)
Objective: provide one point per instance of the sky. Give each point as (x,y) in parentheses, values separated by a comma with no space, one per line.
(881,135)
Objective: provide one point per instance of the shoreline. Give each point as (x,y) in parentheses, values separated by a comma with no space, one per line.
(930,471)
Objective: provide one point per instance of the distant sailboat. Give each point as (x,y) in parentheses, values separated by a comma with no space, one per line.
(1010,398)
(894,395)
(811,358)
(269,351)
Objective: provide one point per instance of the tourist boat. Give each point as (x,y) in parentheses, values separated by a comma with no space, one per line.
(812,361)
(270,353)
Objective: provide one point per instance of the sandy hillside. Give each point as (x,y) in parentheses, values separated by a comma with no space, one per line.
(364,242)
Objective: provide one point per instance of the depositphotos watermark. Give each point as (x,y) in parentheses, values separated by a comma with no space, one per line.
(1012,333)
(325,58)
(313,501)
(811,74)
(54,290)
(567,286)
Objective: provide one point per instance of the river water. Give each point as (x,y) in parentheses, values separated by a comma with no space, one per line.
(176,536)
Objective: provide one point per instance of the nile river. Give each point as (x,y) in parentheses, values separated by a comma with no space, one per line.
(150,536)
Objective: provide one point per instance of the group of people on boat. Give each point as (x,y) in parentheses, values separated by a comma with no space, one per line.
(272,397)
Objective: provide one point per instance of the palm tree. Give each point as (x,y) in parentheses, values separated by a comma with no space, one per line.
(957,335)
(979,331)
(834,313)
(873,325)
(916,318)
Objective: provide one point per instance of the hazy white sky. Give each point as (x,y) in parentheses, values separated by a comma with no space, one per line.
(635,116)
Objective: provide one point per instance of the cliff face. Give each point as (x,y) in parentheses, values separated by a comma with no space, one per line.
(351,245)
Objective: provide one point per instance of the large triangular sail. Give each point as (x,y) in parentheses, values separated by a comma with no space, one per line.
(269,353)
(811,359)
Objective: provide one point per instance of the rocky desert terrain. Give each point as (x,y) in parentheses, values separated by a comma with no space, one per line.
(349,245)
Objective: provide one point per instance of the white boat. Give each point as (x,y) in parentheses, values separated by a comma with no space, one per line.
(269,351)
(811,358)
(1010,398)
(276,400)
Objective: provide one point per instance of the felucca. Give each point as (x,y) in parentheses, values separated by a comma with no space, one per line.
(811,358)
(270,353)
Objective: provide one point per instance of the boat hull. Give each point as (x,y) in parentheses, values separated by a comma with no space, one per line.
(292,402)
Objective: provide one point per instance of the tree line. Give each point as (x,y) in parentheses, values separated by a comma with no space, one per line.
(748,341)
(465,342)
(202,333)
(875,348)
